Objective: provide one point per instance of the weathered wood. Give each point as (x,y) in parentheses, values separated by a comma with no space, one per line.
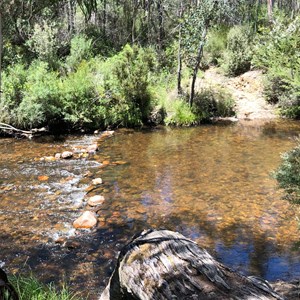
(7,291)
(166,265)
(8,129)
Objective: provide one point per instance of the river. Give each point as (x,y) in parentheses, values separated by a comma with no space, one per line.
(211,183)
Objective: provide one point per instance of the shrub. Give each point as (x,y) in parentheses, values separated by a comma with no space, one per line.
(40,102)
(288,174)
(127,85)
(215,46)
(43,42)
(79,97)
(237,57)
(213,103)
(181,114)
(13,80)
(81,49)
(278,52)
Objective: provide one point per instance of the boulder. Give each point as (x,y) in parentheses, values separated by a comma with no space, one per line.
(86,220)
(96,200)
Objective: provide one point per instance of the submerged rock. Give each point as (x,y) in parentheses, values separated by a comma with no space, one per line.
(57,156)
(86,220)
(67,154)
(97,181)
(92,148)
(96,200)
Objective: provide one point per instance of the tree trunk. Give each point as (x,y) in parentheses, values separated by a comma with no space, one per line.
(198,61)
(165,265)
(161,32)
(71,16)
(179,58)
(270,10)
(1,47)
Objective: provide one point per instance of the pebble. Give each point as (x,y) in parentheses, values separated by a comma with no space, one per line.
(97,181)
(86,220)
(67,154)
(96,200)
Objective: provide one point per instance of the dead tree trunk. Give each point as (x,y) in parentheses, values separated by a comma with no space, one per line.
(166,265)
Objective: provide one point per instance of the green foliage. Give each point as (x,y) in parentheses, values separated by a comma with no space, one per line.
(40,102)
(79,98)
(215,46)
(238,54)
(127,85)
(181,114)
(13,80)
(43,42)
(30,96)
(29,288)
(288,174)
(81,49)
(278,52)
(194,30)
(213,103)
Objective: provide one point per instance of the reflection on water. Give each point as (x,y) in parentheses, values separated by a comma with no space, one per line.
(211,183)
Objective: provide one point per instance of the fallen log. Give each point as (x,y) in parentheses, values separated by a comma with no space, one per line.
(166,265)
(10,130)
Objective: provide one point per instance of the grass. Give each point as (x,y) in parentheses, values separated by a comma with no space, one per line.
(29,288)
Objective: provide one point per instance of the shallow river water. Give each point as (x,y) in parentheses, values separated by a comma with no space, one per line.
(210,183)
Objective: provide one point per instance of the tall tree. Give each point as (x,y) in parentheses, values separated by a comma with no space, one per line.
(1,47)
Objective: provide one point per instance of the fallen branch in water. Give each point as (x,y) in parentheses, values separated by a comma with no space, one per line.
(8,129)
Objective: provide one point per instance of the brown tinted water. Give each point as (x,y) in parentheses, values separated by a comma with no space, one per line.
(211,183)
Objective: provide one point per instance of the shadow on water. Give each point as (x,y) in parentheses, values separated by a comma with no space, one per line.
(211,184)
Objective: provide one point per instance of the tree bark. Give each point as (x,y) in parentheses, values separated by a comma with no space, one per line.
(198,61)
(270,10)
(179,58)
(1,48)
(165,265)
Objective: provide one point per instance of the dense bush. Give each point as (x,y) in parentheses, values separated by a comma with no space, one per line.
(79,98)
(81,49)
(127,85)
(288,174)
(238,54)
(213,103)
(87,93)
(181,114)
(13,80)
(215,46)
(43,42)
(278,52)
(30,97)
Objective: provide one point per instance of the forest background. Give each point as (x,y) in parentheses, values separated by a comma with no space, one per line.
(90,64)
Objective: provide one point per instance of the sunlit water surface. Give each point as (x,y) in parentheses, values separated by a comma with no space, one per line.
(211,183)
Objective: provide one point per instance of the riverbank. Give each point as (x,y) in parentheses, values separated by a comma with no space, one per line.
(246,90)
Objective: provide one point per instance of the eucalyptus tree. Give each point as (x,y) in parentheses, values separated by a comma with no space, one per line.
(197,21)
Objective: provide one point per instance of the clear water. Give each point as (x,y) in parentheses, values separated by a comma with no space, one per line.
(211,183)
